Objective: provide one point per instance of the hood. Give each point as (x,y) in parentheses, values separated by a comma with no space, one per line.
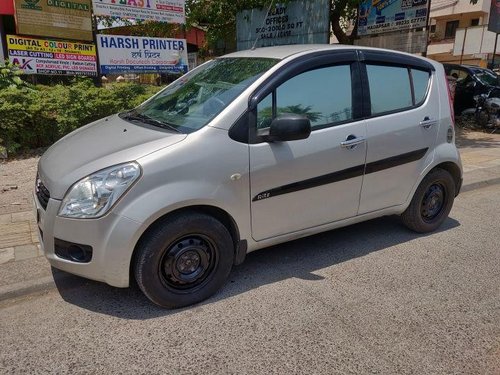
(96,146)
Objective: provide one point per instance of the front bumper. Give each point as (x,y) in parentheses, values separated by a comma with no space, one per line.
(112,238)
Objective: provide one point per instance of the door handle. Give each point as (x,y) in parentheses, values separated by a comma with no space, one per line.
(352,141)
(427,123)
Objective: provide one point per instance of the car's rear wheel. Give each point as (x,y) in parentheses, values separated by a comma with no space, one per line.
(431,202)
(184,259)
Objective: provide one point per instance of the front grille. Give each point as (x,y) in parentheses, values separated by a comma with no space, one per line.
(42,193)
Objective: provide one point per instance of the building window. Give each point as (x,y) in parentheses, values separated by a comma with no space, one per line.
(433,29)
(451,29)
(474,22)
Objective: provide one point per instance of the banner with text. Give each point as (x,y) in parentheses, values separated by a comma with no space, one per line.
(131,54)
(297,22)
(55,18)
(494,22)
(381,16)
(171,11)
(44,56)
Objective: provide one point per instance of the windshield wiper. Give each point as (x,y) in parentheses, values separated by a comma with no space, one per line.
(133,115)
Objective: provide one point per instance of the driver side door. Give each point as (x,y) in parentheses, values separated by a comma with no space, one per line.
(301,184)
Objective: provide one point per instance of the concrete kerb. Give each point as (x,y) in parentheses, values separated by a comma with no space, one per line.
(480,184)
(47,283)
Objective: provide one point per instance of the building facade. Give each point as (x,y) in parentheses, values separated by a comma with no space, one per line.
(459,32)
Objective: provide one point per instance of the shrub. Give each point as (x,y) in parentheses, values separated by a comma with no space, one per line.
(32,118)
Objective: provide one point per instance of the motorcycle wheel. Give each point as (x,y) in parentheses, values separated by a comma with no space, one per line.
(483,118)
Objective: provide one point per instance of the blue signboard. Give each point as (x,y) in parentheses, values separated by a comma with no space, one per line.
(381,16)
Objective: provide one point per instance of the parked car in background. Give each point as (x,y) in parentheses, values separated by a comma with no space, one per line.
(471,81)
(246,151)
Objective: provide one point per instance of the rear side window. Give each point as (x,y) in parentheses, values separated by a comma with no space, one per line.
(390,88)
(396,88)
(323,95)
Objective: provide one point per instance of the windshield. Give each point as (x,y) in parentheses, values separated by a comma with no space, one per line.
(194,100)
(486,77)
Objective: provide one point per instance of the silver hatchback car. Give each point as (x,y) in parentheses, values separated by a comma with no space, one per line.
(246,151)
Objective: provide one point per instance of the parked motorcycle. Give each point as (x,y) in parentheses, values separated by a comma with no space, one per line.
(487,110)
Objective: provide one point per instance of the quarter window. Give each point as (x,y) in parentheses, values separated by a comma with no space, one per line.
(323,95)
(420,80)
(390,88)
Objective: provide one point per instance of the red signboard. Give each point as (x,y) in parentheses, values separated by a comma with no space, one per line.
(7,7)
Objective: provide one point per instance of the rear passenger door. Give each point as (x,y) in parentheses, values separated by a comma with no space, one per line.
(402,109)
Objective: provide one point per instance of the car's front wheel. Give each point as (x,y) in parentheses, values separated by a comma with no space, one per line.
(431,202)
(184,259)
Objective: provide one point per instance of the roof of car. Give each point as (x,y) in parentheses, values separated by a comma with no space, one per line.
(282,52)
(466,66)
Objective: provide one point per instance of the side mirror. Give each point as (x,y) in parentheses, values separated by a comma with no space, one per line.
(289,127)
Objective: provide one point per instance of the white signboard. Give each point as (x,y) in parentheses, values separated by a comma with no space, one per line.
(131,54)
(297,22)
(171,11)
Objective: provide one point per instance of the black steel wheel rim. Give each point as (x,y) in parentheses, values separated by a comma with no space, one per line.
(433,202)
(188,262)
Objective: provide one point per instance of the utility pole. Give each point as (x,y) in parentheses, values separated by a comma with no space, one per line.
(494,52)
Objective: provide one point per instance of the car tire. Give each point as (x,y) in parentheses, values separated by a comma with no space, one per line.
(183,259)
(431,202)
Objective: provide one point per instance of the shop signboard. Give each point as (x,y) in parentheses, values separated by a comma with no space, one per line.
(63,19)
(296,22)
(171,11)
(7,7)
(54,57)
(131,54)
(494,22)
(381,16)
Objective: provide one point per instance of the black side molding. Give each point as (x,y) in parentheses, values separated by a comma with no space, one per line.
(345,174)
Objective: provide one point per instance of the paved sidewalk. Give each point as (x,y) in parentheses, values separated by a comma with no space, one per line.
(18,237)
(21,259)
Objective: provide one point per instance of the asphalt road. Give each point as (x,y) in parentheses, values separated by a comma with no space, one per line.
(369,299)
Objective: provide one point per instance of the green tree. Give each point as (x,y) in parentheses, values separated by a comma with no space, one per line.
(10,76)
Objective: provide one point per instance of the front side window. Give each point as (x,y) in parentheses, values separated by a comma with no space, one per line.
(195,99)
(323,95)
(390,88)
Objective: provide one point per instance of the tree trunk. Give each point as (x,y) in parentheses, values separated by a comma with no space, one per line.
(339,33)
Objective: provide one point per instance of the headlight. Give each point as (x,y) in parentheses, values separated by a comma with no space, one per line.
(94,195)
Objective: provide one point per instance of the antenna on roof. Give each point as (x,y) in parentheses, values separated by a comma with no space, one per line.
(263,23)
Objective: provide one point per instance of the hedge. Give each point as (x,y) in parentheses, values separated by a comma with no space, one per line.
(38,116)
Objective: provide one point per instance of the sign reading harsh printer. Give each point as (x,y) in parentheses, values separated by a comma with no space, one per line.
(45,56)
(130,54)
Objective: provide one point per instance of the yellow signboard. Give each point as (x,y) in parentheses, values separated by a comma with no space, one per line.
(44,56)
(55,18)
